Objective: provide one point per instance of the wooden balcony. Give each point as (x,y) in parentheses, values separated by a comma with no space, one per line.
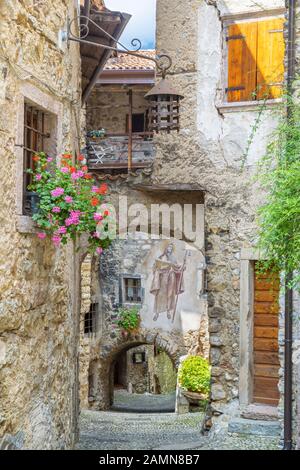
(120,151)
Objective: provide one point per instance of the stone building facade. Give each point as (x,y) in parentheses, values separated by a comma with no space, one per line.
(217,148)
(105,349)
(223,135)
(40,109)
(127,267)
(38,320)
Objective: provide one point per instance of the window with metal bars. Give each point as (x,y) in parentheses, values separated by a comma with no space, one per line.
(90,320)
(34,141)
(132,290)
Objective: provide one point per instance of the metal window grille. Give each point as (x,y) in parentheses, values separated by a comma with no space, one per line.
(34,141)
(133,290)
(90,320)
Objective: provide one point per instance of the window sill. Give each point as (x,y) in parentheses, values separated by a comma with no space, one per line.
(25,224)
(247,105)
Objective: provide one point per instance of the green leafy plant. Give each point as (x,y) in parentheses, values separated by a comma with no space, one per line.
(194,375)
(279,216)
(128,318)
(70,202)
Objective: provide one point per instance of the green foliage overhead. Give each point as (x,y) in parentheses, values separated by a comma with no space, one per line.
(279,217)
(194,375)
(128,318)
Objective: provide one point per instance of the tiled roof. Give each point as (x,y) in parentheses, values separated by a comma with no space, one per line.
(130,62)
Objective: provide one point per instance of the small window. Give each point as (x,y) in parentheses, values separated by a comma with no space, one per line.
(90,320)
(132,290)
(138,122)
(255,60)
(139,358)
(35,138)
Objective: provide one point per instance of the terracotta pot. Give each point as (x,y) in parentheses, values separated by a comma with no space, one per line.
(194,397)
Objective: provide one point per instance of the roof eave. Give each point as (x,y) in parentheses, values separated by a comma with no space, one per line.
(124,19)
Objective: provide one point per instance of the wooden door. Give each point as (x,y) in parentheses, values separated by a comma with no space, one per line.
(265,341)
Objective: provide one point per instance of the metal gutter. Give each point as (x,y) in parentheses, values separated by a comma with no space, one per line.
(288,334)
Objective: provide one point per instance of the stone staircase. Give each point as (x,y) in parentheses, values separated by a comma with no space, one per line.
(256,420)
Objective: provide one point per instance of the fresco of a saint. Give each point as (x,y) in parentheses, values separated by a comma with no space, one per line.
(167,283)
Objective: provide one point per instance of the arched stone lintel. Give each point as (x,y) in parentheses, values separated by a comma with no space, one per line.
(167,343)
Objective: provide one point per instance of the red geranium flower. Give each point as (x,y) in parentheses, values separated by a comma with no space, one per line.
(102,189)
(94,201)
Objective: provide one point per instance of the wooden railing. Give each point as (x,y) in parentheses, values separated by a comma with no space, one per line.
(117,151)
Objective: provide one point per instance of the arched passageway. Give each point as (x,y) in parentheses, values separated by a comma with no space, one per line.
(144,380)
(133,363)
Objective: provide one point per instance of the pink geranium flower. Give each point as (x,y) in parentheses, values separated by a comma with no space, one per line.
(62,230)
(64,169)
(69,199)
(98,217)
(56,240)
(41,235)
(57,192)
(73,219)
(99,250)
(95,189)
(56,210)
(49,159)
(38,177)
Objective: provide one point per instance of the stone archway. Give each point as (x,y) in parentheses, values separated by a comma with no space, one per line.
(111,350)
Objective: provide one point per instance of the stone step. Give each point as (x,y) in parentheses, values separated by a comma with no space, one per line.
(254,427)
(260,412)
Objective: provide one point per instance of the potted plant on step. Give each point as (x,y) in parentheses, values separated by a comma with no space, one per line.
(194,378)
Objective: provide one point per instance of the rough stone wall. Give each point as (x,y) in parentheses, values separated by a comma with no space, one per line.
(86,296)
(138,380)
(87,355)
(38,298)
(209,150)
(108,108)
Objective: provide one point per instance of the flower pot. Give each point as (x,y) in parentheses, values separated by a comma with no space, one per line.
(194,397)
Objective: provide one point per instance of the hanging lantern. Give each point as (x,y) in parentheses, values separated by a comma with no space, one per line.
(163,111)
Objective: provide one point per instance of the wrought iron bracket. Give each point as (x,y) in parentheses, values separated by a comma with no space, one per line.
(163,62)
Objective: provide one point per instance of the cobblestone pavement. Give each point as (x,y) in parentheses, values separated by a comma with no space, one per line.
(128,402)
(163,431)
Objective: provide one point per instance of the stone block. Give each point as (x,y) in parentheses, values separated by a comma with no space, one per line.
(254,427)
(218,392)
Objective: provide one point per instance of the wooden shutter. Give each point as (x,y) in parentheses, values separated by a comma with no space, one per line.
(265,341)
(270,58)
(242,49)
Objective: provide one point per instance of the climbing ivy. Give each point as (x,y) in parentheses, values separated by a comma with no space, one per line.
(279,216)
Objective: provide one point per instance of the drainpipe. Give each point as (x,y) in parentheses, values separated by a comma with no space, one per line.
(288,369)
